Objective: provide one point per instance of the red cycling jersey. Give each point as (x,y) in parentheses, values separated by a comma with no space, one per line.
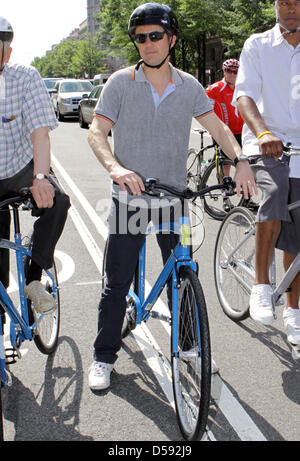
(221,95)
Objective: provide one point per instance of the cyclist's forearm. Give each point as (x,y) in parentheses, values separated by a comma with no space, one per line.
(251,116)
(98,140)
(41,150)
(222,135)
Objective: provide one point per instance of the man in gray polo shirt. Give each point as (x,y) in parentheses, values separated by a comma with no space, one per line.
(149,108)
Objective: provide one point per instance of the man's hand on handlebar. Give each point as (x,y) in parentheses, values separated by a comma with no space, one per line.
(43,193)
(244,180)
(128,178)
(270,146)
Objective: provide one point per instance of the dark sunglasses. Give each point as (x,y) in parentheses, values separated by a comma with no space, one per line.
(231,71)
(153,36)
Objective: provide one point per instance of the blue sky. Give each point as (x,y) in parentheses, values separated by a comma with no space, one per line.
(39,24)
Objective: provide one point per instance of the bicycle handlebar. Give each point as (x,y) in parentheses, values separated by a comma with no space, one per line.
(288,149)
(154,187)
(24,198)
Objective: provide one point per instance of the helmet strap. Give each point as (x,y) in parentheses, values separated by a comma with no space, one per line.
(2,57)
(141,61)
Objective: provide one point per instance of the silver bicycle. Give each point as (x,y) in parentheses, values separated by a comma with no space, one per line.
(234,269)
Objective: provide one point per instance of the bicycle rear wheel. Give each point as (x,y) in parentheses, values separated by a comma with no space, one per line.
(214,200)
(193,170)
(234,263)
(191,357)
(129,322)
(47,326)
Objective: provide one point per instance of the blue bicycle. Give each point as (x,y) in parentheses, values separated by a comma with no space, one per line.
(25,323)
(190,339)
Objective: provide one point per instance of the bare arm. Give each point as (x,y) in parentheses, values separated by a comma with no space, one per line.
(41,189)
(269,144)
(98,140)
(223,136)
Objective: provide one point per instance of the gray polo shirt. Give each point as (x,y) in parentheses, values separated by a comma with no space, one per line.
(152,139)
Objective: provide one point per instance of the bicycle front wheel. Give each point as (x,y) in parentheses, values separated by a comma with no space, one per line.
(47,326)
(191,357)
(234,262)
(214,203)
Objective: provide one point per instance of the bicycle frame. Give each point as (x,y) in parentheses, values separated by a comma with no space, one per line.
(20,330)
(179,257)
(286,280)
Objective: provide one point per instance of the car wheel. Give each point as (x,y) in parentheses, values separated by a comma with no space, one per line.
(60,117)
(81,121)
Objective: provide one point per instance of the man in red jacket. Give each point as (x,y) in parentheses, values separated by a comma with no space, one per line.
(221,94)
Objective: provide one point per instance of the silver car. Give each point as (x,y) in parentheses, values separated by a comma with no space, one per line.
(67,95)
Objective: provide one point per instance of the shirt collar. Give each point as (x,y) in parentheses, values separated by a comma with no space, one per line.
(277,37)
(176,77)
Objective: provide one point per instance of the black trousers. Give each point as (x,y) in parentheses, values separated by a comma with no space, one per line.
(47,228)
(122,256)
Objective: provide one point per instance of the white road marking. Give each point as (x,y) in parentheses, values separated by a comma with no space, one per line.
(228,404)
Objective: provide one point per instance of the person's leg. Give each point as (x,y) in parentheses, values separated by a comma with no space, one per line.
(121,261)
(266,236)
(289,242)
(293,294)
(273,179)
(49,226)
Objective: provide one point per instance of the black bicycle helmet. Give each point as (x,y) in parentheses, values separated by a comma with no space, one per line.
(6,31)
(153,13)
(156,14)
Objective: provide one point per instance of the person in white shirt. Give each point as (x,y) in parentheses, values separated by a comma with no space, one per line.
(267,95)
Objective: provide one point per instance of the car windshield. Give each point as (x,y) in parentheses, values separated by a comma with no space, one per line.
(72,87)
(50,84)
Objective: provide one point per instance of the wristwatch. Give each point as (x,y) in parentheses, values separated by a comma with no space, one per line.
(240,158)
(40,176)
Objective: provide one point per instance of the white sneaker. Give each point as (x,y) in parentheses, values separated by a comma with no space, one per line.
(99,376)
(291,318)
(43,302)
(214,367)
(261,309)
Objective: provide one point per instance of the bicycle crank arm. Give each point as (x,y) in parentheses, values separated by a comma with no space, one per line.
(157,315)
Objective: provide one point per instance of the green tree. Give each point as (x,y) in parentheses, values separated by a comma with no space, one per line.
(243,18)
(88,59)
(113,18)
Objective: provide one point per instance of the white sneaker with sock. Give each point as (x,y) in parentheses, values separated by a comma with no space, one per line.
(291,319)
(261,309)
(99,376)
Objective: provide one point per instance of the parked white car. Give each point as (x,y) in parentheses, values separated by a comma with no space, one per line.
(67,94)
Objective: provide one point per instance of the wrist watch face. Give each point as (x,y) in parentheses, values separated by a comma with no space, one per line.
(40,176)
(243,158)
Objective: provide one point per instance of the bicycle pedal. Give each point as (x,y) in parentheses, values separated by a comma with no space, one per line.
(11,355)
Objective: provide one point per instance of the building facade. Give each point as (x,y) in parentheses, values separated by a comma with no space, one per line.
(92,8)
